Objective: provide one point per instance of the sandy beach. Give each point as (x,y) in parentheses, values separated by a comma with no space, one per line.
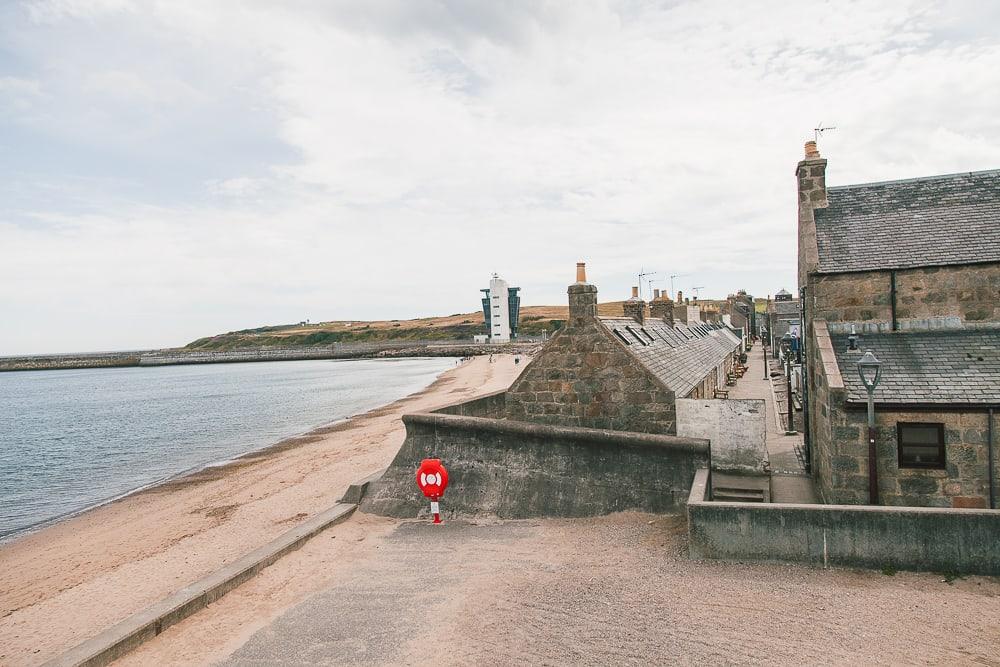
(63,584)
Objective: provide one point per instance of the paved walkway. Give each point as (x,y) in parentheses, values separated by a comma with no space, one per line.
(789,482)
(616,590)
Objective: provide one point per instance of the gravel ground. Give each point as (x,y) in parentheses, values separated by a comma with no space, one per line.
(616,589)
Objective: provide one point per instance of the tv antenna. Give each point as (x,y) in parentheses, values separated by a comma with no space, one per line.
(642,274)
(820,129)
(695,290)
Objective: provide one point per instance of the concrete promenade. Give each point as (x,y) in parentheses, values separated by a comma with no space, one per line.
(610,590)
(789,482)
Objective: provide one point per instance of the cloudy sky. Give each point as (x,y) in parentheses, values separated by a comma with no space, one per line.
(174,169)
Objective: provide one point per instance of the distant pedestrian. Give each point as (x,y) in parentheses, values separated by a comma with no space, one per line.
(517,360)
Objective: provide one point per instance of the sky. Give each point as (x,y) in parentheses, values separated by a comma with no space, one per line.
(176,169)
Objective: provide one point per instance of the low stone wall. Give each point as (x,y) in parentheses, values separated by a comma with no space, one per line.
(904,538)
(491,405)
(513,469)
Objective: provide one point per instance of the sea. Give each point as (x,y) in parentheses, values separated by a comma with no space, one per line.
(74,439)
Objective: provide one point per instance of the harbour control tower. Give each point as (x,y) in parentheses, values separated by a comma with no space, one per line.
(501,304)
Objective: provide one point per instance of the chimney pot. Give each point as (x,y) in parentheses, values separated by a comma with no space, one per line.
(680,296)
(581,272)
(811,150)
(656,294)
(635,292)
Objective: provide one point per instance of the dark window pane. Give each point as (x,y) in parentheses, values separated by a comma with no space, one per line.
(921,445)
(920,434)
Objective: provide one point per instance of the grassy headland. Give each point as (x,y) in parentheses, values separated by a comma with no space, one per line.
(534,320)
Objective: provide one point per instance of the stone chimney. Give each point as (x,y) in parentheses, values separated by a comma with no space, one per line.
(635,307)
(662,308)
(811,176)
(582,298)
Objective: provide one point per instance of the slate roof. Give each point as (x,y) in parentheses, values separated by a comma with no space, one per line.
(928,367)
(933,221)
(680,356)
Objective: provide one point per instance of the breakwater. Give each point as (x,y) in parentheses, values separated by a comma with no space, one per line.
(180,356)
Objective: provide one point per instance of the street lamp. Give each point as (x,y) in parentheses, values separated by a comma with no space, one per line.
(786,345)
(763,345)
(870,370)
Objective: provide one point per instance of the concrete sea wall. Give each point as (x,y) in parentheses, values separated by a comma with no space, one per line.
(905,538)
(178,357)
(513,469)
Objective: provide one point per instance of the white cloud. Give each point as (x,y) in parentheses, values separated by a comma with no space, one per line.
(261,162)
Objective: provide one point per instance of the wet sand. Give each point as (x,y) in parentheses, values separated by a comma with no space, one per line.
(65,583)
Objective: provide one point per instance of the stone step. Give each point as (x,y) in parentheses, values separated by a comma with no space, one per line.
(737,495)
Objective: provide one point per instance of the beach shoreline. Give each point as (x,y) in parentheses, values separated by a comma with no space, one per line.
(67,581)
(193,471)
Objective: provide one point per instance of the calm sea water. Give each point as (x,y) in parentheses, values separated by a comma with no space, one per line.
(73,439)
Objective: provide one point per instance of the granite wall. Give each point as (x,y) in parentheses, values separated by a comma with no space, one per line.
(511,469)
(583,377)
(926,298)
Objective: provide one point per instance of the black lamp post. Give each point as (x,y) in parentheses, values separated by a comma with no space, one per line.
(870,370)
(763,344)
(786,346)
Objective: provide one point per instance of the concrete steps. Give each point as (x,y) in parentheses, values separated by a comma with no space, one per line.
(741,488)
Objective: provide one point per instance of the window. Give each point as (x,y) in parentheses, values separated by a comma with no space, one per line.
(920,445)
(621,336)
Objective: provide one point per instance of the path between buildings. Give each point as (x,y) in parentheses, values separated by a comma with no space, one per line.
(610,590)
(789,482)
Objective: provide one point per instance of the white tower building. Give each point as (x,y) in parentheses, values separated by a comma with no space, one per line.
(499,311)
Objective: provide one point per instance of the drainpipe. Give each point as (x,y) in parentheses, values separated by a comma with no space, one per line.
(892,299)
(804,328)
(989,454)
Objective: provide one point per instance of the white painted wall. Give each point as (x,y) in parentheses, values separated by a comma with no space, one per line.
(735,427)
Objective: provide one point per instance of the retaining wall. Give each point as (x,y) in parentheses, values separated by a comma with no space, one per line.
(905,538)
(491,405)
(178,357)
(514,469)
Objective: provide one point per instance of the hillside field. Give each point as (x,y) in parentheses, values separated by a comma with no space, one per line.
(534,320)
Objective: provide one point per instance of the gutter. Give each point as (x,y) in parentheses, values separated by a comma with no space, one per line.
(892,299)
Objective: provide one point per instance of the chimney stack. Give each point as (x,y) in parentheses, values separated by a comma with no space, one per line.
(582,298)
(662,308)
(811,177)
(635,307)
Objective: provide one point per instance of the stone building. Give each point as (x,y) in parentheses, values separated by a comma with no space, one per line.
(501,308)
(912,268)
(621,373)
(783,316)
